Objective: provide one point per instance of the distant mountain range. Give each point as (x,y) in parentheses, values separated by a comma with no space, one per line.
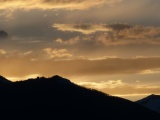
(152,102)
(57,98)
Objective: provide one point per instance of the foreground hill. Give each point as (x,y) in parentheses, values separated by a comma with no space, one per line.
(152,102)
(57,98)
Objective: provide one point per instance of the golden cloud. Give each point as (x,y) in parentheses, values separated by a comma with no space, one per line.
(115,34)
(121,88)
(129,90)
(2,52)
(53,4)
(57,53)
(118,87)
(103,84)
(90,28)
(69,41)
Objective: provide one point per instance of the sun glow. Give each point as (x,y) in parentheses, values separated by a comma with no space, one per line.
(23,78)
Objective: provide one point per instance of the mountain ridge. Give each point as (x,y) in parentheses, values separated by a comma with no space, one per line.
(58,98)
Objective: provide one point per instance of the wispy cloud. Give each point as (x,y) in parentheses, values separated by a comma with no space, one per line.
(57,53)
(120,88)
(90,28)
(150,71)
(115,34)
(54,4)
(123,88)
(132,89)
(14,54)
(103,84)
(70,41)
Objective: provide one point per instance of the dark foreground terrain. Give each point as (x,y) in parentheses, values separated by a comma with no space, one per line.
(57,98)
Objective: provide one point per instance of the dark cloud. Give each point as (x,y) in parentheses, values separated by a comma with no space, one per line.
(119,26)
(3,34)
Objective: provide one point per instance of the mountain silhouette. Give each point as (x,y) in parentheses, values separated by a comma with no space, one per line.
(152,102)
(3,80)
(57,98)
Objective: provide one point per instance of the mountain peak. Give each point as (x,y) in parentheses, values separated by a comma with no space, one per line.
(153,96)
(152,102)
(60,79)
(56,77)
(150,97)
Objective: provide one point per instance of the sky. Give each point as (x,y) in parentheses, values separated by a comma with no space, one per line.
(109,45)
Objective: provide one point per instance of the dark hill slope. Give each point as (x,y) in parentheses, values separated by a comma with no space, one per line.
(3,80)
(57,98)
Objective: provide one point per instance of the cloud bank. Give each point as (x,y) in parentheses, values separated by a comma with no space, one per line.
(75,67)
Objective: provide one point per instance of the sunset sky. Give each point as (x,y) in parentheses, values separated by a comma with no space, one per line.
(109,45)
